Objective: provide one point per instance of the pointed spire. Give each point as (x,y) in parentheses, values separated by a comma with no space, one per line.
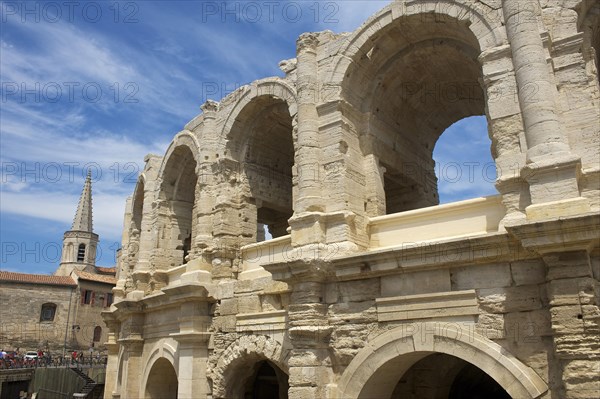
(83,217)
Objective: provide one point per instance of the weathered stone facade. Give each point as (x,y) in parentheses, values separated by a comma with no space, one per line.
(23,325)
(369,288)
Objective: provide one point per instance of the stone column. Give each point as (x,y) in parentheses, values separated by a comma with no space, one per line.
(307,150)
(206,171)
(551,169)
(310,366)
(575,318)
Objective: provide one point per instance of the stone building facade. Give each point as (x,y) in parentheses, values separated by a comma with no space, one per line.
(369,288)
(60,312)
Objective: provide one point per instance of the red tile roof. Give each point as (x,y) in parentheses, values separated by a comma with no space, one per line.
(96,277)
(106,270)
(36,279)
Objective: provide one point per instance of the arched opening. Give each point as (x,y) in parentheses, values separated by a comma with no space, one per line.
(441,376)
(263,143)
(416,78)
(464,166)
(138,206)
(267,382)
(135,229)
(97,333)
(81,253)
(178,194)
(162,381)
(378,368)
(239,366)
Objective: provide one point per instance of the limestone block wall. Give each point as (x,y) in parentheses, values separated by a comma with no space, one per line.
(348,303)
(21,312)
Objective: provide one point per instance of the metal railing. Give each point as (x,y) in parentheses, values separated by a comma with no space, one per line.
(80,362)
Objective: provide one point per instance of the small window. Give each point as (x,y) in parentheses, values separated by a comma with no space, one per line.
(81,253)
(97,333)
(87,297)
(48,312)
(108,299)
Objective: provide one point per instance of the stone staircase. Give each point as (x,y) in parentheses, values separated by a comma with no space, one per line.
(90,389)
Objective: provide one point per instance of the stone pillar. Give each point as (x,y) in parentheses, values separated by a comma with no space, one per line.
(131,317)
(132,368)
(307,149)
(579,96)
(575,318)
(506,130)
(112,364)
(310,366)
(206,170)
(573,300)
(374,173)
(193,338)
(146,241)
(193,358)
(551,169)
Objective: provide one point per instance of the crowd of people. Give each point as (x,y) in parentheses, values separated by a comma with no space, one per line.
(30,359)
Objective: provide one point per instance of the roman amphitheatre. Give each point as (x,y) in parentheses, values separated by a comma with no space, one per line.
(290,242)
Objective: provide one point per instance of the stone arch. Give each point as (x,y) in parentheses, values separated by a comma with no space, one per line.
(182,139)
(485,24)
(272,87)
(135,227)
(161,350)
(176,200)
(408,74)
(137,202)
(235,362)
(392,353)
(259,134)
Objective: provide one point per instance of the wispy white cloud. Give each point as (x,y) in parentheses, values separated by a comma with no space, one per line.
(63,53)
(108,209)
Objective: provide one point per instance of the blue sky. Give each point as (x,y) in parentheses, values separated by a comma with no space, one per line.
(100,84)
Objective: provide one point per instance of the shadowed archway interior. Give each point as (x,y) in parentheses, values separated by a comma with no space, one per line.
(261,139)
(177,208)
(162,381)
(421,75)
(441,376)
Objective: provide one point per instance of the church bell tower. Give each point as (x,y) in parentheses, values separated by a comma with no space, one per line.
(79,243)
